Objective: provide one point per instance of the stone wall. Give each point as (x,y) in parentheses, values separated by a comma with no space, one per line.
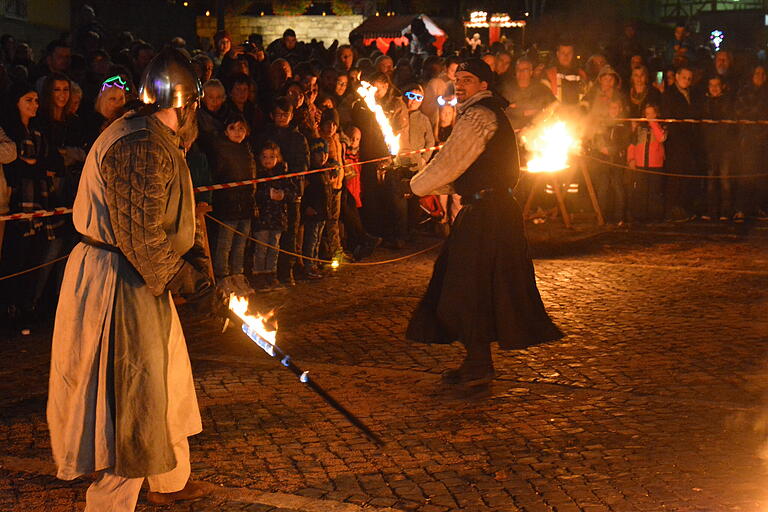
(322,28)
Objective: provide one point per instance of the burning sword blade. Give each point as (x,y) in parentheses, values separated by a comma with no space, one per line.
(258,336)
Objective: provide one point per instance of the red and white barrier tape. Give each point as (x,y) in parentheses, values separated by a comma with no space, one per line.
(222,186)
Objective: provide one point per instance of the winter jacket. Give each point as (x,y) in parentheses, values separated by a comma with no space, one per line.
(318,194)
(718,138)
(233,162)
(682,145)
(295,152)
(273,215)
(647,147)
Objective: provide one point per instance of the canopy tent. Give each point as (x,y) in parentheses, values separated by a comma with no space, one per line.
(384,30)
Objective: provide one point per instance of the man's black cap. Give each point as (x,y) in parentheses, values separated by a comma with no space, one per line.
(477,67)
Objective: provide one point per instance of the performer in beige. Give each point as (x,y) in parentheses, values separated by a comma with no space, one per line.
(121,396)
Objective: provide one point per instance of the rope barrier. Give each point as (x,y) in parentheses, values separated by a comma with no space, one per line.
(223,186)
(318,260)
(9,276)
(695,121)
(672,174)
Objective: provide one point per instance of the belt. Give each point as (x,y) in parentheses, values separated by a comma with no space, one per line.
(486,193)
(99,245)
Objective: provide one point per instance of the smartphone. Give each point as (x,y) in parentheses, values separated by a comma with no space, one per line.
(659,77)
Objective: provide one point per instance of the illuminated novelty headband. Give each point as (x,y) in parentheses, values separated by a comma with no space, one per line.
(115,81)
(441,101)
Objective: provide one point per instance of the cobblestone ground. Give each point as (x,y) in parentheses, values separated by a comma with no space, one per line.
(654,401)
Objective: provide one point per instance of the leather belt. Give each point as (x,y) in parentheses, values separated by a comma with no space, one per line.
(98,244)
(486,193)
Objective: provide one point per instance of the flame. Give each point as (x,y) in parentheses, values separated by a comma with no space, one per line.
(549,146)
(368,93)
(258,323)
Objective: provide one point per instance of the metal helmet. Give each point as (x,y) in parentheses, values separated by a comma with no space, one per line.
(170,81)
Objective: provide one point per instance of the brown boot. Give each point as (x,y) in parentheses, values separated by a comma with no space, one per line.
(193,490)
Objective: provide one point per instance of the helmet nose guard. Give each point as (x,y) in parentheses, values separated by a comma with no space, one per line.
(170,81)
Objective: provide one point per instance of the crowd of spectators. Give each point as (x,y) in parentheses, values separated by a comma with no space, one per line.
(292,106)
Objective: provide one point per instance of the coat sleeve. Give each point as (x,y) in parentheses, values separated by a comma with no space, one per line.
(7,148)
(467,141)
(137,174)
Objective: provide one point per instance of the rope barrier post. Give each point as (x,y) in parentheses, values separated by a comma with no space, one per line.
(200,212)
(592,194)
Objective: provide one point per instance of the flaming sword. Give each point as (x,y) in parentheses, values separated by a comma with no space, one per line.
(255,327)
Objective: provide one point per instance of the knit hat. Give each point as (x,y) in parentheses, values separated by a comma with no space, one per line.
(318,145)
(608,70)
(477,67)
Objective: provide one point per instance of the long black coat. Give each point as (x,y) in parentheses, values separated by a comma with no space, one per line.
(682,146)
(483,288)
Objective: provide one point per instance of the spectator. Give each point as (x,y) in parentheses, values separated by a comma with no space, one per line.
(437,82)
(565,79)
(7,49)
(58,56)
(328,128)
(239,102)
(605,91)
(65,136)
(272,200)
(610,144)
(641,93)
(503,66)
(293,147)
(107,108)
(679,47)
(7,155)
(327,81)
(234,207)
(315,207)
(141,54)
(27,179)
(212,113)
(526,98)
(286,47)
(357,240)
(345,58)
(752,104)
(719,141)
(682,149)
(420,134)
(646,152)
(385,64)
(723,67)
(222,44)
(203,66)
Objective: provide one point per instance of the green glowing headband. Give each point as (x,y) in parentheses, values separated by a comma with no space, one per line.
(115,81)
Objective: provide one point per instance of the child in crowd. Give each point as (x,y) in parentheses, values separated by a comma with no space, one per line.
(328,128)
(272,200)
(357,240)
(233,161)
(315,206)
(293,148)
(646,151)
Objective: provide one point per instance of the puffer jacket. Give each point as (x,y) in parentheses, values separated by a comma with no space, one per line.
(233,162)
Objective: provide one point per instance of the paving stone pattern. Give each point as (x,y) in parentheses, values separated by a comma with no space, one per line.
(654,401)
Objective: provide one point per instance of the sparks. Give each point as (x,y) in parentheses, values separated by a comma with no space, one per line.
(549,146)
(368,93)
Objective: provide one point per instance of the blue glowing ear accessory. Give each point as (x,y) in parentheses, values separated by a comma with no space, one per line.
(414,96)
(115,81)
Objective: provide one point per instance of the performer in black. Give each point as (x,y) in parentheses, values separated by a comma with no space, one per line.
(483,287)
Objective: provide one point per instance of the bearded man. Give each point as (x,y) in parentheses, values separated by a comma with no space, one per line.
(121,396)
(483,287)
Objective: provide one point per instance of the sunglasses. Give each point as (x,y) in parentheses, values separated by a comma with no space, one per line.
(414,96)
(441,101)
